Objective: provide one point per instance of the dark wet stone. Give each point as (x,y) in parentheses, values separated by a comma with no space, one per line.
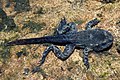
(69,68)
(1,27)
(118,23)
(3,15)
(23,52)
(19,54)
(118,49)
(118,46)
(1,71)
(0,4)
(34,27)
(99,15)
(39,10)
(107,1)
(22,5)
(6,23)
(10,24)
(7,3)
(26,71)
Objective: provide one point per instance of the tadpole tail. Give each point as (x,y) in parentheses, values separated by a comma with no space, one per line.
(41,40)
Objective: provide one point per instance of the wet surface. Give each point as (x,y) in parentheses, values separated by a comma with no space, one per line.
(18,22)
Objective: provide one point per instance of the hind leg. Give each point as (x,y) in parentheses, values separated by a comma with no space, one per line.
(60,55)
(65,27)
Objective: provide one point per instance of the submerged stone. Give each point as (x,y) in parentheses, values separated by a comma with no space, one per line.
(22,5)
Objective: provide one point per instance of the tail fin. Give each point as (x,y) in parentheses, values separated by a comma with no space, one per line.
(41,40)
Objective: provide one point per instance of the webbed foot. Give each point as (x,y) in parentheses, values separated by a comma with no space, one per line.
(36,69)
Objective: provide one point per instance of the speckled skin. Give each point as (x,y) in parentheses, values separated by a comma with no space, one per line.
(67,35)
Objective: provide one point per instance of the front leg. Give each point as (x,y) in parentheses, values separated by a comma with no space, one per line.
(92,23)
(85,57)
